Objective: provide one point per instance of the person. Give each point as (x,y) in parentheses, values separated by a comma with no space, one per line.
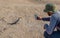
(54,18)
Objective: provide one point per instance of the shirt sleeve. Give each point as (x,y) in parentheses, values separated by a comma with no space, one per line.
(52,25)
(46,19)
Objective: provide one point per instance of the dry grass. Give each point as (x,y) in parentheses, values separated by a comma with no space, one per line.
(28,26)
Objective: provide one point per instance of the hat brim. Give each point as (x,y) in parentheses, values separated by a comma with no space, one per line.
(46,11)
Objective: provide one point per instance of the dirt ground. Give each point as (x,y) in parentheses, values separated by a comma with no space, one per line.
(27,26)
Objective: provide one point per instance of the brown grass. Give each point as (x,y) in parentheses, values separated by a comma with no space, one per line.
(28,26)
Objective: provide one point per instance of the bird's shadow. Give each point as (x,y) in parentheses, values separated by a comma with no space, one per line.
(55,34)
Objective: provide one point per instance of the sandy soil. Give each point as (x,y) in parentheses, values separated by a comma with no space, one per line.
(27,26)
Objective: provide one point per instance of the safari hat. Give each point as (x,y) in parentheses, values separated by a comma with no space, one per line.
(49,7)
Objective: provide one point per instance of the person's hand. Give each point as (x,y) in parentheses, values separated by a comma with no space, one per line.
(45,26)
(38,18)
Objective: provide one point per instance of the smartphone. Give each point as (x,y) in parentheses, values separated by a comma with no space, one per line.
(36,16)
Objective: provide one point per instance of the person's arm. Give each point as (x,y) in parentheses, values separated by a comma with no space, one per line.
(52,25)
(46,19)
(42,18)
